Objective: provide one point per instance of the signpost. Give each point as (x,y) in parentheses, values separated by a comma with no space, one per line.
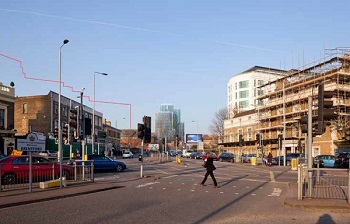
(32,143)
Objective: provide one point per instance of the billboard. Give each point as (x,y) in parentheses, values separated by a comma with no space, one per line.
(194,138)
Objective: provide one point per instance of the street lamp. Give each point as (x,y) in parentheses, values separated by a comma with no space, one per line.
(59,111)
(93,113)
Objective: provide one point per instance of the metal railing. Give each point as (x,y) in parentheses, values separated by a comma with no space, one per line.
(84,170)
(325,183)
(18,177)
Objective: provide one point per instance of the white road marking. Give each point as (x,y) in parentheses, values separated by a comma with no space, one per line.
(147,184)
(164,188)
(276,192)
(253,194)
(237,193)
(221,192)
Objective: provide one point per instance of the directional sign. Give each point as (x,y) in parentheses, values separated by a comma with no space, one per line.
(154,147)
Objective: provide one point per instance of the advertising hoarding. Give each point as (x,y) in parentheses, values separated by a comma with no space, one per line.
(194,138)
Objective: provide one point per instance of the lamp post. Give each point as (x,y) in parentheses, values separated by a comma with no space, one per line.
(93,113)
(59,111)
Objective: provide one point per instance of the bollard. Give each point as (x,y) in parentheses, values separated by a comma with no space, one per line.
(253,162)
(294,164)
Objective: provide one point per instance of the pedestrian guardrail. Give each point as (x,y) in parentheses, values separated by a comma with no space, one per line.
(84,170)
(325,183)
(17,177)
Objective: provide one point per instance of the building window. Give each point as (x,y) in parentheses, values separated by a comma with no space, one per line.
(244,84)
(64,111)
(25,108)
(2,118)
(56,123)
(243,94)
(260,82)
(56,108)
(231,137)
(249,134)
(243,104)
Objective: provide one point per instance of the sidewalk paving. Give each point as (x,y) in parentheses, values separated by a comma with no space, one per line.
(15,197)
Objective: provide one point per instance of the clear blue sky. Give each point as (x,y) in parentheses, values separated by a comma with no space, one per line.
(180,52)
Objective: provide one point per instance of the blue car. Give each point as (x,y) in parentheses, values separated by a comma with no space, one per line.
(324,161)
(103,163)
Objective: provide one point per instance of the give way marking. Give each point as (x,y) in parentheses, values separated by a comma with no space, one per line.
(276,192)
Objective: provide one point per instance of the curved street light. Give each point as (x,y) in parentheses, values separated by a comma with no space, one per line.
(59,111)
(93,113)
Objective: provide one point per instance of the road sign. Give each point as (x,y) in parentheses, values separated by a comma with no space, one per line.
(31,143)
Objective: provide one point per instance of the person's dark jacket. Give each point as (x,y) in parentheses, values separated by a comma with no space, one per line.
(209,164)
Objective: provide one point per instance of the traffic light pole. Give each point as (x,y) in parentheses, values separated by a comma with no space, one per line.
(141,170)
(309,145)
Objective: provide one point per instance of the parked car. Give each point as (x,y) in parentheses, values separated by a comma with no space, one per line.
(49,154)
(289,158)
(187,152)
(248,157)
(324,161)
(196,155)
(273,162)
(171,153)
(2,155)
(342,160)
(102,163)
(15,169)
(226,156)
(213,155)
(127,154)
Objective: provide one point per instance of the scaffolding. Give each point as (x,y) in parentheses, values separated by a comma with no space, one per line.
(286,101)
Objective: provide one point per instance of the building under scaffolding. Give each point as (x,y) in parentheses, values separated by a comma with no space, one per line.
(287,100)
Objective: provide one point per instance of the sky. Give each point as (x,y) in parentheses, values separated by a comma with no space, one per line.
(180,52)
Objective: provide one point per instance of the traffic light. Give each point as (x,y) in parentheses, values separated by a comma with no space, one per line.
(241,140)
(55,133)
(257,137)
(74,118)
(163,141)
(325,108)
(65,131)
(140,131)
(87,126)
(303,122)
(280,137)
(347,134)
(304,125)
(147,127)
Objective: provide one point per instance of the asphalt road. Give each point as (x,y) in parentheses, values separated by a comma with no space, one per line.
(171,194)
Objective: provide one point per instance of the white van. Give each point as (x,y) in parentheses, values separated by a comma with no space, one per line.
(186,153)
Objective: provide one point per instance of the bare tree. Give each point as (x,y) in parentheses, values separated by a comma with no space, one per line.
(217,124)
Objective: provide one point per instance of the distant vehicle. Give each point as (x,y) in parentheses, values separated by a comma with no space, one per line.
(171,153)
(213,155)
(248,158)
(289,158)
(15,169)
(342,160)
(49,153)
(324,161)
(226,156)
(187,152)
(103,163)
(196,155)
(127,154)
(2,155)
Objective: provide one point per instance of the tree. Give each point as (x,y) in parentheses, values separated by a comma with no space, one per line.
(217,124)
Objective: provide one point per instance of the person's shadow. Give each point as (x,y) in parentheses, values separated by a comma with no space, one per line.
(325,219)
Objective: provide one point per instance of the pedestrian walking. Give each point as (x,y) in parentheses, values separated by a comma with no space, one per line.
(269,159)
(209,165)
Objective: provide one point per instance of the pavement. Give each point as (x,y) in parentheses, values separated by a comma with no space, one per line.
(16,197)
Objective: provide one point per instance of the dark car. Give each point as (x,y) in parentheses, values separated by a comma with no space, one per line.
(15,169)
(213,155)
(342,160)
(196,155)
(289,158)
(102,163)
(226,156)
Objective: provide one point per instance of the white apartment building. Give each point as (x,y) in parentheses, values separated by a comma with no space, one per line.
(242,88)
